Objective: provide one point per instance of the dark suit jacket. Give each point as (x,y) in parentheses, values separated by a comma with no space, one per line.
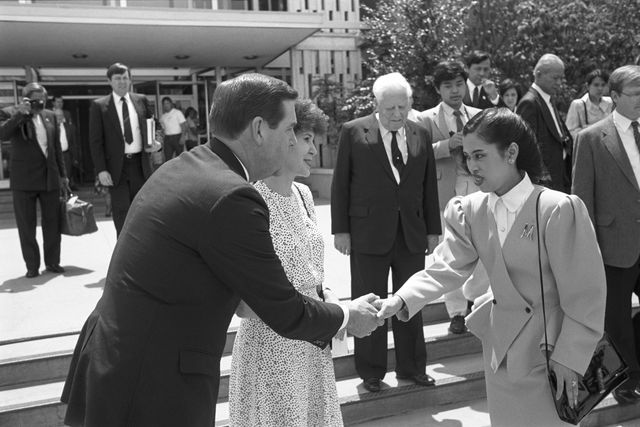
(367,202)
(195,242)
(30,169)
(106,140)
(534,111)
(483,99)
(604,180)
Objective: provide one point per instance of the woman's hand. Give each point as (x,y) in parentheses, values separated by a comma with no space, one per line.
(245,312)
(566,380)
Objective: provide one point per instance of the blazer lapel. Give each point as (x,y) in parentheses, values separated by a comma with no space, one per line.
(142,117)
(227,156)
(442,122)
(375,144)
(412,148)
(611,140)
(546,115)
(113,115)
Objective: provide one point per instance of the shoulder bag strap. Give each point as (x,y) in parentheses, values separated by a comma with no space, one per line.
(544,312)
(586,116)
(303,202)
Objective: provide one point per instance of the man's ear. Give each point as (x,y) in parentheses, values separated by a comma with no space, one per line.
(257,129)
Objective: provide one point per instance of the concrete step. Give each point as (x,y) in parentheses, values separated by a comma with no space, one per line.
(48,359)
(457,379)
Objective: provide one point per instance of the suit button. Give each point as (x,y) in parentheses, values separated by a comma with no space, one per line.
(495,302)
(528,310)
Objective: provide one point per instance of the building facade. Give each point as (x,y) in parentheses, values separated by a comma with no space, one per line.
(176,48)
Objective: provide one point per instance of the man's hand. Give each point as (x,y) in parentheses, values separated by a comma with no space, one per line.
(342,242)
(455,141)
(490,89)
(64,185)
(105,179)
(363,316)
(389,307)
(244,311)
(331,297)
(24,108)
(432,242)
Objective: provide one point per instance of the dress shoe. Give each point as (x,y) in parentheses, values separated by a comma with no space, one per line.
(55,268)
(457,325)
(32,273)
(626,396)
(420,379)
(372,384)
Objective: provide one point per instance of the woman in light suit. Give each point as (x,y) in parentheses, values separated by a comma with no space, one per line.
(498,227)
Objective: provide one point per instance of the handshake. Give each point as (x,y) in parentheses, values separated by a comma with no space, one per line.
(368,312)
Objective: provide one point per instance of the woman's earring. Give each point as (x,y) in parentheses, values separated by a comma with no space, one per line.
(510,161)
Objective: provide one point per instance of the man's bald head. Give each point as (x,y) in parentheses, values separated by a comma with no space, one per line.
(549,73)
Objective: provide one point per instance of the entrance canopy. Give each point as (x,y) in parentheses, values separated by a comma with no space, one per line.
(86,37)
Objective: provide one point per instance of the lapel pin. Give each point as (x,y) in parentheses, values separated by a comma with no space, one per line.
(527,232)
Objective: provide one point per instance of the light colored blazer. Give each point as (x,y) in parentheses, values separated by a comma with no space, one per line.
(511,325)
(447,169)
(604,180)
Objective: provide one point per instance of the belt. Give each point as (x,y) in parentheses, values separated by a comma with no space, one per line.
(130,156)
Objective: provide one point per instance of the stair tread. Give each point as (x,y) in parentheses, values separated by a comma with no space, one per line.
(349,389)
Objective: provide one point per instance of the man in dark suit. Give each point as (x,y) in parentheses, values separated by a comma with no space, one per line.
(37,173)
(67,131)
(118,141)
(196,241)
(384,214)
(481,91)
(606,176)
(538,108)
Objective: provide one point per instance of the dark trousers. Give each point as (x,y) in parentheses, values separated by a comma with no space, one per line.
(68,165)
(172,146)
(621,283)
(24,206)
(369,273)
(122,195)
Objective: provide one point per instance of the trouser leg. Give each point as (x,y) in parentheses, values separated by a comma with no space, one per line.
(50,207)
(24,207)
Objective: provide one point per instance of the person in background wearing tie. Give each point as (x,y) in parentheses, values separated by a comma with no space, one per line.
(68,142)
(444,125)
(481,92)
(384,214)
(37,173)
(117,140)
(537,107)
(606,176)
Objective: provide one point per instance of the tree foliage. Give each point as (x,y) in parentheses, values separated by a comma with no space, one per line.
(412,36)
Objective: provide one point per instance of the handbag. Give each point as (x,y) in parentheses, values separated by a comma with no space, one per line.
(76,217)
(606,371)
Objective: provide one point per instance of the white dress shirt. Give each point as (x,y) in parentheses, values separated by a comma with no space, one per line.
(506,208)
(472,87)
(136,145)
(64,142)
(547,100)
(41,133)
(623,126)
(402,146)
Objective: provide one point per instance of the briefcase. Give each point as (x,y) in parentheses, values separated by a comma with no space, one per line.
(76,217)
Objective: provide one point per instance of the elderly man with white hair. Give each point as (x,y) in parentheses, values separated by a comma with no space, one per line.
(385,215)
(538,108)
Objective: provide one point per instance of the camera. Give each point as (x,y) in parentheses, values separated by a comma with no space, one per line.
(36,104)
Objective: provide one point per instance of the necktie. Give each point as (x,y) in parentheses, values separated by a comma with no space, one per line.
(396,156)
(636,133)
(565,141)
(126,121)
(476,95)
(459,124)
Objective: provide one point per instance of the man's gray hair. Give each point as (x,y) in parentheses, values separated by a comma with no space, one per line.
(391,81)
(545,61)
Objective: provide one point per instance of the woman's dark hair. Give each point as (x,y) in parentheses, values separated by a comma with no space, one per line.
(448,70)
(501,127)
(507,84)
(167,98)
(238,101)
(596,73)
(310,118)
(190,110)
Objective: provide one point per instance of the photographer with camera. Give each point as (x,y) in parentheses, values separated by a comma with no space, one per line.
(37,173)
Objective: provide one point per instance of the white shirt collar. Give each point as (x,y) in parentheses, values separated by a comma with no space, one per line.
(384,131)
(514,198)
(471,87)
(117,97)
(448,110)
(622,121)
(545,95)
